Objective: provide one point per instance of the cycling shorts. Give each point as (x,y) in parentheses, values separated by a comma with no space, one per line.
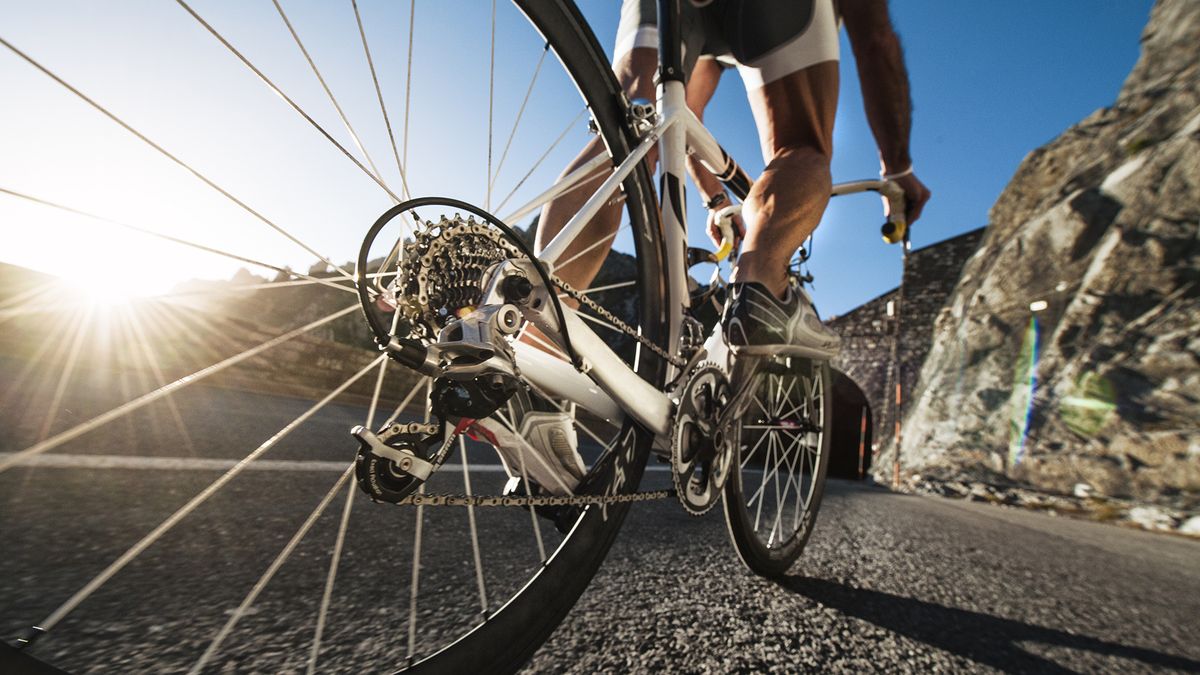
(764,39)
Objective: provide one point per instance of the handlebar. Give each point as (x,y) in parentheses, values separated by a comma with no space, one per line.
(894,231)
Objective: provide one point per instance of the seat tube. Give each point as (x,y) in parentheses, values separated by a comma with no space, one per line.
(672,162)
(670,52)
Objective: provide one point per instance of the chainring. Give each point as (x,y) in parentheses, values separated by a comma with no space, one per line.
(701,453)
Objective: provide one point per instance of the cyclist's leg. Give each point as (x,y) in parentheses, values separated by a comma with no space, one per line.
(635,71)
(795,116)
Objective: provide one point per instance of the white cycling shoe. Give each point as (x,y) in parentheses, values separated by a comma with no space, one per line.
(540,446)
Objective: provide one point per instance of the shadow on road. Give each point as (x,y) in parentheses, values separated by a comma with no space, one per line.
(983,638)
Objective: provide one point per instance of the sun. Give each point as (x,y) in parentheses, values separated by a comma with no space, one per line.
(107,289)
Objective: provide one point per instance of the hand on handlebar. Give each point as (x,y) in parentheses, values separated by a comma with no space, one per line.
(726,222)
(915,196)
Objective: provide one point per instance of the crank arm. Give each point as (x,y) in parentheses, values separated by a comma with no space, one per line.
(744,377)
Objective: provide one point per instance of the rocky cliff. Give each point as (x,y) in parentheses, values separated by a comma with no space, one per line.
(1069,352)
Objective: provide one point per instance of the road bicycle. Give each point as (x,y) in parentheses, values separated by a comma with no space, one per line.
(455,292)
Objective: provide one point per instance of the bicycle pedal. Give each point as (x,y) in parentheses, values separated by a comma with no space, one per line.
(777,365)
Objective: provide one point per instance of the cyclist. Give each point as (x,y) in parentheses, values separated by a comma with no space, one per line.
(786,52)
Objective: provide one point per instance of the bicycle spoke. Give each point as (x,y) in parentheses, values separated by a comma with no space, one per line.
(415,579)
(536,164)
(551,347)
(466,472)
(195,172)
(775,480)
(143,343)
(533,518)
(412,22)
(787,485)
(520,112)
(757,445)
(269,574)
(145,399)
(487,202)
(609,287)
(332,99)
(334,561)
(279,92)
(157,533)
(758,495)
(379,95)
(600,322)
(408,399)
(606,241)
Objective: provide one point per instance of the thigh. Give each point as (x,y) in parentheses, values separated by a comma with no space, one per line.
(797,110)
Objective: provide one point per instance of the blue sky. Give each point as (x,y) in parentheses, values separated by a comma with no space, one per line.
(991,81)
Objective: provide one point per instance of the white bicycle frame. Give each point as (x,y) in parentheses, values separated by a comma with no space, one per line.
(607,387)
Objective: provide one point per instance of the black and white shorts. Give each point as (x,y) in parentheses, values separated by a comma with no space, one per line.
(764,39)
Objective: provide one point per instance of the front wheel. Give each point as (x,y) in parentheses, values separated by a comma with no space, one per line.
(774,493)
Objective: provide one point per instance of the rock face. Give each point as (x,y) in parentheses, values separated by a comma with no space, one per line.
(1069,351)
(868,330)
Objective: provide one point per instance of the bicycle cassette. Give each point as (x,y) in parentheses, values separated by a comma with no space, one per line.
(443,268)
(701,452)
(394,462)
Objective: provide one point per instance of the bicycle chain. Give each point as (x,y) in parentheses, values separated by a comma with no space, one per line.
(532,500)
(625,328)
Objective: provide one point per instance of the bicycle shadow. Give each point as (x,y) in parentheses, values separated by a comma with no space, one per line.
(985,639)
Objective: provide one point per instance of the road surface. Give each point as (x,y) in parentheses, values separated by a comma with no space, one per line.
(889,582)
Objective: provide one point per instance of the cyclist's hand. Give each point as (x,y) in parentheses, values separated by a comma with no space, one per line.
(714,231)
(915,196)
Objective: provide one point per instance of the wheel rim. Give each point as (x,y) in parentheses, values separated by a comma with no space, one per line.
(510,160)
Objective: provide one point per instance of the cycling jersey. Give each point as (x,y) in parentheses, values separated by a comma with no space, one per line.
(764,39)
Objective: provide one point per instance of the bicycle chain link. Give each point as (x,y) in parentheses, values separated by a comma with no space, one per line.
(532,500)
(625,328)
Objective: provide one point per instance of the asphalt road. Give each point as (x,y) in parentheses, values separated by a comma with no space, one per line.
(888,583)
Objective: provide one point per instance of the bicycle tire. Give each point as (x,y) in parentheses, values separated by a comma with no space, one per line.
(509,637)
(770,558)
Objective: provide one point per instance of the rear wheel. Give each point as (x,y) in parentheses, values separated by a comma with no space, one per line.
(427,588)
(774,492)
